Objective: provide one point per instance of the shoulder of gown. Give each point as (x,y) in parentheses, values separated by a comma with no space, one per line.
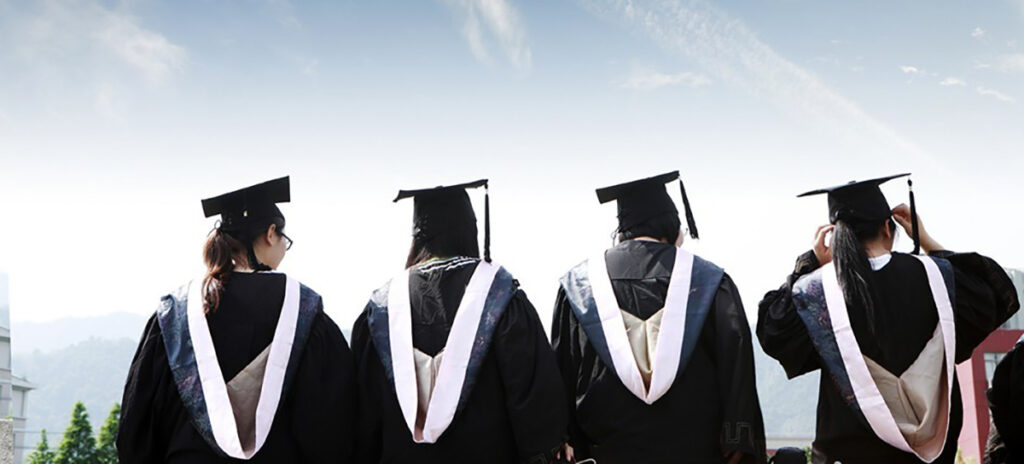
(742,421)
(371,385)
(139,438)
(534,399)
(323,410)
(782,334)
(985,298)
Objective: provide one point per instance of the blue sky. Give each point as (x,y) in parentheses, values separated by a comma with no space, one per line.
(116,117)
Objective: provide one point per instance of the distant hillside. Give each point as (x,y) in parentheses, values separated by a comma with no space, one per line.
(789,406)
(92,371)
(27,337)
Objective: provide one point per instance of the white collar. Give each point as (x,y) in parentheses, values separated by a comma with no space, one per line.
(878,262)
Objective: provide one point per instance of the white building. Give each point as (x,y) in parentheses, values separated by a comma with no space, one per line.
(13,390)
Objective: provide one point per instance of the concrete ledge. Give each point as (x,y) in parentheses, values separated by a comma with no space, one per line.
(6,441)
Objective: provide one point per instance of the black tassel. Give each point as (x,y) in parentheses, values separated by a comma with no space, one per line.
(487,224)
(913,219)
(690,223)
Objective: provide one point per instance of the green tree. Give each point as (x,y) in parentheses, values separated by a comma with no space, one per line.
(78,445)
(106,451)
(43,454)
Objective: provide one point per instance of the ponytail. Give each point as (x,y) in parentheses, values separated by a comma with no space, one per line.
(852,265)
(224,251)
(220,254)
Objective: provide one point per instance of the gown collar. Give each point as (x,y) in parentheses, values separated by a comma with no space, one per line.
(878,262)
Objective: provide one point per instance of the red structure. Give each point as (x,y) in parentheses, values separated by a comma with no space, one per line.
(975,375)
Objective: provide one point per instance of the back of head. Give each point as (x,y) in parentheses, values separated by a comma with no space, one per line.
(458,240)
(665,226)
(646,210)
(245,215)
(789,455)
(444,223)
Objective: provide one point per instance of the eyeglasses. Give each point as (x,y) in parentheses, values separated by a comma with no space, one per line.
(288,242)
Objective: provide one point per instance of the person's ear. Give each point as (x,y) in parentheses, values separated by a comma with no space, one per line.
(271,232)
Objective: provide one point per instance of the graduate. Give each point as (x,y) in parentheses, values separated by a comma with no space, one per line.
(1006,401)
(241,363)
(654,346)
(453,363)
(885,328)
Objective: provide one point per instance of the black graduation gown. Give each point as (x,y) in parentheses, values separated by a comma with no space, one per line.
(904,320)
(712,407)
(1006,400)
(515,413)
(314,420)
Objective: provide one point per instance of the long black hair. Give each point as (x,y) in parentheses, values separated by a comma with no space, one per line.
(663,227)
(852,266)
(455,241)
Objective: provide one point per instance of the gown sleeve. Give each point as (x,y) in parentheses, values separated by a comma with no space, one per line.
(139,438)
(782,334)
(742,422)
(568,342)
(1006,400)
(534,399)
(368,370)
(985,298)
(323,406)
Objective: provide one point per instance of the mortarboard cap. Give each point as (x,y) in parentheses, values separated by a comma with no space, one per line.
(863,204)
(442,208)
(249,206)
(644,199)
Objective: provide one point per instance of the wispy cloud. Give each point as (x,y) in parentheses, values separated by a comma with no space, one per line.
(284,11)
(1012,63)
(649,79)
(730,52)
(910,70)
(146,50)
(987,92)
(978,33)
(55,31)
(952,81)
(504,25)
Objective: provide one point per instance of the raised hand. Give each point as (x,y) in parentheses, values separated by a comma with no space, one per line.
(901,214)
(822,249)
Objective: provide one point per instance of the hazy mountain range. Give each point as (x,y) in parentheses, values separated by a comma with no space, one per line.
(27,337)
